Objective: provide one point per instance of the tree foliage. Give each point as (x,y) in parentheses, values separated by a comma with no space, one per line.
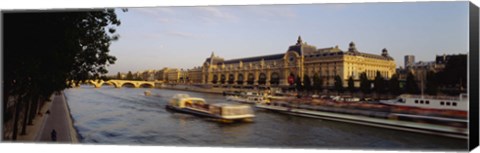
(394,85)
(129,76)
(432,83)
(119,76)
(379,83)
(49,51)
(351,85)
(298,84)
(364,83)
(411,86)
(454,76)
(307,83)
(338,84)
(317,82)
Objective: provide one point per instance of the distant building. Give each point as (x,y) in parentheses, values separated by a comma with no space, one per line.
(299,60)
(148,75)
(195,75)
(175,75)
(420,69)
(409,61)
(162,74)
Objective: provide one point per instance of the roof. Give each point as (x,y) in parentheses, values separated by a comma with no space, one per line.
(370,55)
(253,59)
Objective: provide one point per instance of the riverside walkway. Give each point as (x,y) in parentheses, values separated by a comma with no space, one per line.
(58,119)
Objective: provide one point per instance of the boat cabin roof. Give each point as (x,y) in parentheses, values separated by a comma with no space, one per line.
(229,105)
(181,99)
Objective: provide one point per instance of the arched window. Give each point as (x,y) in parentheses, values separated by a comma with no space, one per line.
(222,79)
(215,79)
(262,78)
(250,78)
(275,78)
(240,79)
(230,79)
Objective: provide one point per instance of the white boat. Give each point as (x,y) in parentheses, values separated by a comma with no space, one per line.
(431,102)
(420,127)
(248,99)
(223,111)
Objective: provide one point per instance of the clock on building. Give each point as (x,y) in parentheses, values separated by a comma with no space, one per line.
(291,60)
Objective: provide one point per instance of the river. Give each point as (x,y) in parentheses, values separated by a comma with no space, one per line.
(111,115)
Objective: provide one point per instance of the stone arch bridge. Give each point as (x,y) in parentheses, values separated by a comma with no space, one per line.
(121,83)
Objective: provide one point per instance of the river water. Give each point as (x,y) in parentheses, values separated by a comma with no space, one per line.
(111,115)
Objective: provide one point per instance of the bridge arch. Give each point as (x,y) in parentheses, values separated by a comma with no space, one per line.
(146,85)
(128,84)
(122,83)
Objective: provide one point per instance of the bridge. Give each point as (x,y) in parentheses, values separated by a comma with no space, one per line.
(121,83)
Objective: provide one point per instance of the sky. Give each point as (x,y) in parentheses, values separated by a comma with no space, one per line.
(183,37)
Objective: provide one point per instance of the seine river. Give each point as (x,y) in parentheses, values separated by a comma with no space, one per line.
(125,116)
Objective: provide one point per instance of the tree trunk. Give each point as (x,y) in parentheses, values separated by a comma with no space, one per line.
(26,114)
(33,109)
(17,113)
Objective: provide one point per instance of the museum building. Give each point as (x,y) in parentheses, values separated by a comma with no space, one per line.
(299,60)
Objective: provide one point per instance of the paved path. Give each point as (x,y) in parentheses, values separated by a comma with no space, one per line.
(58,119)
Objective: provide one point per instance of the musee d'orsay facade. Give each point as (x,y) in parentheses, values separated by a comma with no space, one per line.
(299,60)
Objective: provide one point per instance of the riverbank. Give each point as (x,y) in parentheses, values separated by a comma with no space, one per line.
(33,131)
(193,88)
(58,118)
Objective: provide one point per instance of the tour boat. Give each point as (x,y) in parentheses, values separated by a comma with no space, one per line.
(459,103)
(147,93)
(223,111)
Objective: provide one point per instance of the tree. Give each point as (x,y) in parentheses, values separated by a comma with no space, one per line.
(50,51)
(338,84)
(119,76)
(411,86)
(454,76)
(432,83)
(364,83)
(129,75)
(394,85)
(307,83)
(351,85)
(317,82)
(298,84)
(379,83)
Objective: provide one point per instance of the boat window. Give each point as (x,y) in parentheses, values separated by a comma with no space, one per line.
(442,103)
(416,101)
(421,101)
(448,103)
(454,104)
(400,100)
(427,102)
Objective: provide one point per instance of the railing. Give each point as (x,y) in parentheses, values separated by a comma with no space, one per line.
(431,97)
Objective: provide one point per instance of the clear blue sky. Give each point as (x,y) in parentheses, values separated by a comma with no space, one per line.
(183,37)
